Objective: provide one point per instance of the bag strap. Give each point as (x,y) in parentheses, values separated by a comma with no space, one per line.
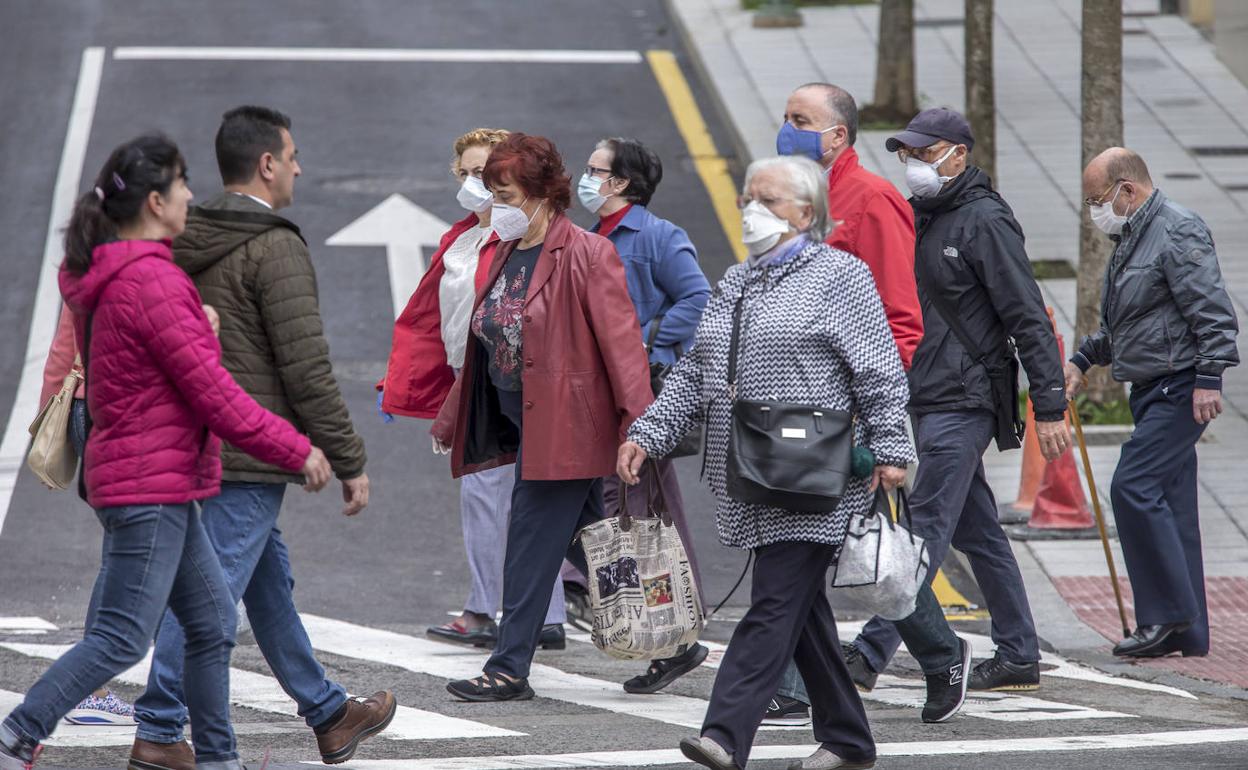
(85,355)
(734,347)
(654,494)
(950,317)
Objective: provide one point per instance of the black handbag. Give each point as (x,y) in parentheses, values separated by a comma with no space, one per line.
(691,443)
(785,455)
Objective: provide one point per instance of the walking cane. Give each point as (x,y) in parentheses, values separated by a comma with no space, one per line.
(1100,517)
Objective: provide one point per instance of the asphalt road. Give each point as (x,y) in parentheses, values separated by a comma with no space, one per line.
(367,130)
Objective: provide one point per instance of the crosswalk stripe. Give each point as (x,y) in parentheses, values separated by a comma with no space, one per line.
(658,757)
(263,693)
(443,660)
(25,625)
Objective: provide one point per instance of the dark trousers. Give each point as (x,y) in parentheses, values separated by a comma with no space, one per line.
(545,517)
(952,503)
(1154,497)
(789,619)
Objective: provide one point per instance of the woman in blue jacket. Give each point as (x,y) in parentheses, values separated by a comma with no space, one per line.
(669,292)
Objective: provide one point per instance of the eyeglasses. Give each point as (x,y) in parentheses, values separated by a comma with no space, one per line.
(922,153)
(745,200)
(1097,201)
(595,171)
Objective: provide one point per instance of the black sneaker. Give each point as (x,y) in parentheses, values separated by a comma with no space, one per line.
(553,637)
(1001,675)
(864,678)
(663,672)
(946,691)
(786,712)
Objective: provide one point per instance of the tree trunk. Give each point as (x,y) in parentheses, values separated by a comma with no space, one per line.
(896,100)
(1101,97)
(981,104)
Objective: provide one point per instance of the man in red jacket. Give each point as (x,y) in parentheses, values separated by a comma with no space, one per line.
(873,221)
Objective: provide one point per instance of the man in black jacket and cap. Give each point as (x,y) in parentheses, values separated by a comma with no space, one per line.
(979,301)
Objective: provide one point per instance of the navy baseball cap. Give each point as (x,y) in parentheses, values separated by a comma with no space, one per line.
(929,127)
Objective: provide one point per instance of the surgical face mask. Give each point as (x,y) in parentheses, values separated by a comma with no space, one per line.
(761,229)
(473,196)
(800,141)
(923,179)
(587,191)
(1105,219)
(510,222)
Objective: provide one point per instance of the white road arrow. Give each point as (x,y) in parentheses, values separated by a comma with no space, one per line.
(403,228)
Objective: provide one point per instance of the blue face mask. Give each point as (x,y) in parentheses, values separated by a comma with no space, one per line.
(799,141)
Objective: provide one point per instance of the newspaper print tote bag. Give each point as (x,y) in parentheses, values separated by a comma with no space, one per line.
(641,588)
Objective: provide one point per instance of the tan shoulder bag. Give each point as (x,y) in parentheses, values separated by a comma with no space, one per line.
(52,456)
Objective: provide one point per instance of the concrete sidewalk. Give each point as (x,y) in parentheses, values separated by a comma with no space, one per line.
(1184,112)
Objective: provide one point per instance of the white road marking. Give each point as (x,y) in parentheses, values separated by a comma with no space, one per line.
(403,228)
(444,660)
(1000,707)
(25,625)
(660,757)
(453,55)
(263,693)
(47,293)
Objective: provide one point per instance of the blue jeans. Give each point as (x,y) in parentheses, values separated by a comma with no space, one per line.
(1154,497)
(953,504)
(242,525)
(154,556)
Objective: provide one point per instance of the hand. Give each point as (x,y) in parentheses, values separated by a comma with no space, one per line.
(889,475)
(439,448)
(1054,438)
(1074,379)
(316,471)
(214,319)
(1206,405)
(628,462)
(355,494)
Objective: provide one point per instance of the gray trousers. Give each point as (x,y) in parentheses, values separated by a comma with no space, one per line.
(485,508)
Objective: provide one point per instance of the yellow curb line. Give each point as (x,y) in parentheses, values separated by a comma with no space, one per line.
(711,167)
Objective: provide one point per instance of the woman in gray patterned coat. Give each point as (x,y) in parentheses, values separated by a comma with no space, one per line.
(814,332)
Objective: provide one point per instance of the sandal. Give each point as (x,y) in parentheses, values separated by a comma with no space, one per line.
(490,687)
(458,633)
(663,672)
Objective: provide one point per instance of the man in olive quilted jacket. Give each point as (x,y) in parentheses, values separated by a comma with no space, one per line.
(255,267)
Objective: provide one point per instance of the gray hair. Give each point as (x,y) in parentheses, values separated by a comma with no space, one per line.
(807,184)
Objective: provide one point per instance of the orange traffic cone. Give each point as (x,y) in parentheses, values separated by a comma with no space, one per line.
(1029,479)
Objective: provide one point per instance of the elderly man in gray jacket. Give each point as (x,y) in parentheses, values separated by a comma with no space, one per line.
(1168,328)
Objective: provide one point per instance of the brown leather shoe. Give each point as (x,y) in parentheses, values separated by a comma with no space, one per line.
(147,755)
(364,718)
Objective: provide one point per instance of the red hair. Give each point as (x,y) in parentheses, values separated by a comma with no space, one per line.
(534,165)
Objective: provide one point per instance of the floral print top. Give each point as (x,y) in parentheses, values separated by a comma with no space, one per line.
(498,322)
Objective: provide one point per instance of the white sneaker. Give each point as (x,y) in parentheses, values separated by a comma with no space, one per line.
(707,753)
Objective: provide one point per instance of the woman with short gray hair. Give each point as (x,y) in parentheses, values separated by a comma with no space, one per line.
(812,331)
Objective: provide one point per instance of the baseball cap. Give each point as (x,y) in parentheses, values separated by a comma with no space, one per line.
(929,127)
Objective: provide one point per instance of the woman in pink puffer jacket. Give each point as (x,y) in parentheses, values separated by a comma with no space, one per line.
(158,398)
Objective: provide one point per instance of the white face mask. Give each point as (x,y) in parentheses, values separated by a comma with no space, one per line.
(923,179)
(1105,219)
(510,222)
(761,229)
(473,196)
(588,192)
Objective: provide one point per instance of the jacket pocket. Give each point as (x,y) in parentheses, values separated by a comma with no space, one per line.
(586,413)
